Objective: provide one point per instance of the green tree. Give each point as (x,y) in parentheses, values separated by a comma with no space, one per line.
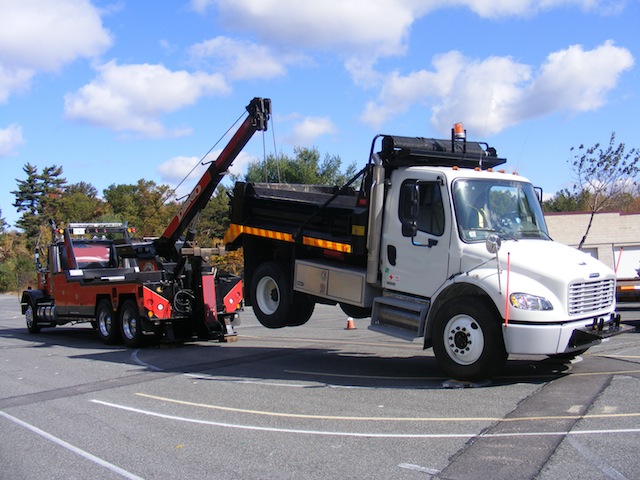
(304,168)
(52,189)
(38,197)
(567,201)
(214,219)
(144,205)
(16,263)
(607,174)
(80,203)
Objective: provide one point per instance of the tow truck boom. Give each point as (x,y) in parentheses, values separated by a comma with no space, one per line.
(259,112)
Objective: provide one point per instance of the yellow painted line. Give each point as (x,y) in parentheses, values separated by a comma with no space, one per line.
(385,419)
(376,377)
(615,356)
(400,344)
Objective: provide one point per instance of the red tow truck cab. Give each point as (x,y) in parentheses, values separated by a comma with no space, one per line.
(92,274)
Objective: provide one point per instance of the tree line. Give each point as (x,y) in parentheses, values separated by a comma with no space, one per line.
(604,178)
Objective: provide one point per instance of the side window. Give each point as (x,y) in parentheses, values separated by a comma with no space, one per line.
(430,209)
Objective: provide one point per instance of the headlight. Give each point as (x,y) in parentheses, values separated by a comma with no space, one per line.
(525,301)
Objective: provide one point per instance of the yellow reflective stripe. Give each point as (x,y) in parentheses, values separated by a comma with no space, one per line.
(261,232)
(327,244)
(232,233)
(236,230)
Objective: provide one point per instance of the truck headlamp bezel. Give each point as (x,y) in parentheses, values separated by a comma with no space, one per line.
(526,301)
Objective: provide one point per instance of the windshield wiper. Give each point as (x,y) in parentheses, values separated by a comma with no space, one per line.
(540,233)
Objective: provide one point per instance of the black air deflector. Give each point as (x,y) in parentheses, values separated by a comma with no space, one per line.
(402,151)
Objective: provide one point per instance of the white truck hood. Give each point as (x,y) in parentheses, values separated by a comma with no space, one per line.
(547,258)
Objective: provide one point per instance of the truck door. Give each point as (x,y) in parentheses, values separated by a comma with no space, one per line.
(416,233)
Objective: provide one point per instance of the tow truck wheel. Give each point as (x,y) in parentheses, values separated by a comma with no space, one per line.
(130,325)
(31,318)
(107,327)
(467,340)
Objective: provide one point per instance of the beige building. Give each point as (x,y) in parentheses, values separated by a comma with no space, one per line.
(614,237)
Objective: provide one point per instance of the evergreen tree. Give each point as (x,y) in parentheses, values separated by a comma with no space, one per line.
(38,197)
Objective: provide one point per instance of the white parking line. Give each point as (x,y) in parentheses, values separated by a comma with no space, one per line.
(68,446)
(361,434)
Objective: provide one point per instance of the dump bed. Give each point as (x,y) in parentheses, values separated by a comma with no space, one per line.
(300,212)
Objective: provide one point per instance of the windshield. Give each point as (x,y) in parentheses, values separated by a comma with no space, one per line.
(509,208)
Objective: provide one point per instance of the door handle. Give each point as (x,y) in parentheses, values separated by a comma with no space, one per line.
(391,255)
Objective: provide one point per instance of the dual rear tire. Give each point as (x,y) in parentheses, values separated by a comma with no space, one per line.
(126,327)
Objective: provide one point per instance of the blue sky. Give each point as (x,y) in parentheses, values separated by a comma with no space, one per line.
(115,91)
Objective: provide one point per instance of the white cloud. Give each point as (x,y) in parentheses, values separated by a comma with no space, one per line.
(134,97)
(363,31)
(399,93)
(374,27)
(179,172)
(176,169)
(42,36)
(577,80)
(507,8)
(10,139)
(308,129)
(240,60)
(13,80)
(492,94)
(357,25)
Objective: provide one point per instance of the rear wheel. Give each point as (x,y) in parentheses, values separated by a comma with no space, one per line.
(107,327)
(275,303)
(130,325)
(467,340)
(30,316)
(300,311)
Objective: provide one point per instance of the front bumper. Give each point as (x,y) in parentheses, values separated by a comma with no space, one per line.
(551,339)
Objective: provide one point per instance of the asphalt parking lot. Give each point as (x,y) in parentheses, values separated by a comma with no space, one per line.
(317,401)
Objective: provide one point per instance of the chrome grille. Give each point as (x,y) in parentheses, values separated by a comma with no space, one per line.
(587,297)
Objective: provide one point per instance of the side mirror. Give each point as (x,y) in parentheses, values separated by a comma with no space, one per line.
(539,194)
(493,244)
(409,229)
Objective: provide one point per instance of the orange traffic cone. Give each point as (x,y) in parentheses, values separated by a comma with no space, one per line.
(351,325)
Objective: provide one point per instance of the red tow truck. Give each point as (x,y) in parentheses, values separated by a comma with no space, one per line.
(131,290)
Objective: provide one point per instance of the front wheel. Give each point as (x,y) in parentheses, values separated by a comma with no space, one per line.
(467,340)
(130,324)
(31,317)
